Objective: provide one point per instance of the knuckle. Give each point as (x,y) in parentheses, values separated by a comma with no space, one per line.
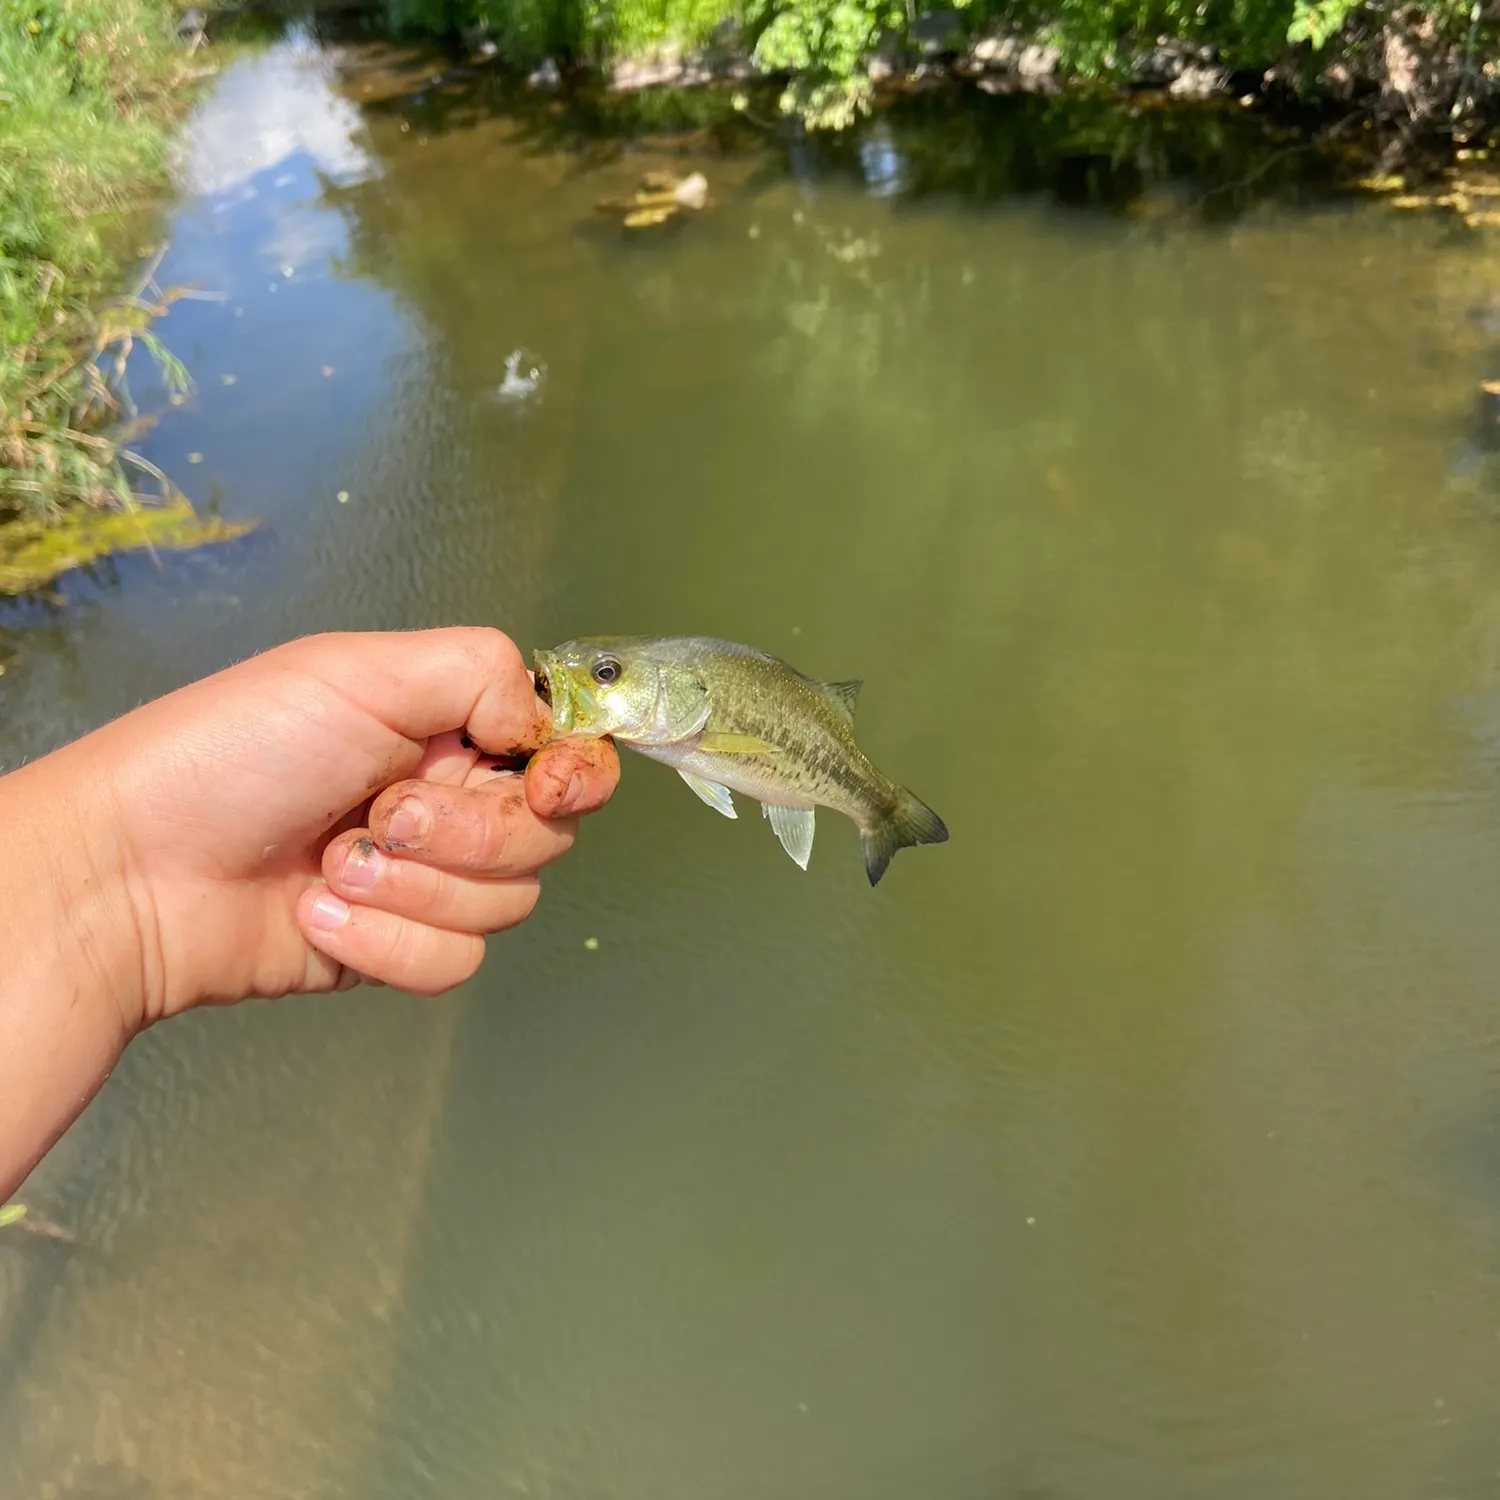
(440,899)
(392,944)
(490,650)
(496,824)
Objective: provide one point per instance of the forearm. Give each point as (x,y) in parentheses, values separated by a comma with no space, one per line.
(70,961)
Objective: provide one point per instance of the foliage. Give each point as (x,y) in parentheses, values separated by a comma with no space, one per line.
(824,46)
(1317,21)
(1096,36)
(526,31)
(86,88)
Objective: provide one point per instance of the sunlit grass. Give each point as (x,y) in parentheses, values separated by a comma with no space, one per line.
(88,89)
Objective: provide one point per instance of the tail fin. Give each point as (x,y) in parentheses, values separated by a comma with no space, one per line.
(909,822)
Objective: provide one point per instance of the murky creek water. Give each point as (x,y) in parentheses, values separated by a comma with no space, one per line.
(1142,1141)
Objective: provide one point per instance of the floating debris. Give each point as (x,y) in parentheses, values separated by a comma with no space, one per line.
(195,458)
(521,384)
(660,197)
(229,379)
(342,497)
(21,1217)
(325,371)
(592,944)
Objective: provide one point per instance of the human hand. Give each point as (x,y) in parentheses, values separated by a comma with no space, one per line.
(235,818)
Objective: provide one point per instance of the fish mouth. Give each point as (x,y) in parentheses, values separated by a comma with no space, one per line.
(551,686)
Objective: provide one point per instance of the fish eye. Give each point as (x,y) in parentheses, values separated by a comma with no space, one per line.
(606,669)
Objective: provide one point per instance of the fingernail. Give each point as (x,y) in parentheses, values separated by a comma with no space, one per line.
(329,911)
(409,822)
(362,866)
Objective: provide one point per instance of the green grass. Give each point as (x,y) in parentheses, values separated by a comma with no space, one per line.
(88,89)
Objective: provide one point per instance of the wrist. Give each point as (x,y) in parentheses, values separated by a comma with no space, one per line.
(75,911)
(71,987)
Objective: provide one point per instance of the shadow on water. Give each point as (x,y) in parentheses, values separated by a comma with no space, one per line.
(1083,148)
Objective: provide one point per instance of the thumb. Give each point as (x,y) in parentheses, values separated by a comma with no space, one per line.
(426,682)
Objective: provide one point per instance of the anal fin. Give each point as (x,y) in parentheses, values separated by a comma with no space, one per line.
(795,827)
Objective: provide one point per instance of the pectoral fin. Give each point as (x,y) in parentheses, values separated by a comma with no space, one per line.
(712,793)
(795,827)
(722,742)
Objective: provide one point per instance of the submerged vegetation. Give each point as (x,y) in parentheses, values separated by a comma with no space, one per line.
(88,89)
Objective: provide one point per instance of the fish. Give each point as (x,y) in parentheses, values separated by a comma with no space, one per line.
(728,718)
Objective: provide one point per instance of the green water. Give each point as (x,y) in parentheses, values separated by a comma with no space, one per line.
(1140,1142)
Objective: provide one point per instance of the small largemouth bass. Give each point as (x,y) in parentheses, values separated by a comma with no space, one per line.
(728,719)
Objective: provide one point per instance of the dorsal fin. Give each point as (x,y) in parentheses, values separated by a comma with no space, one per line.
(844,695)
